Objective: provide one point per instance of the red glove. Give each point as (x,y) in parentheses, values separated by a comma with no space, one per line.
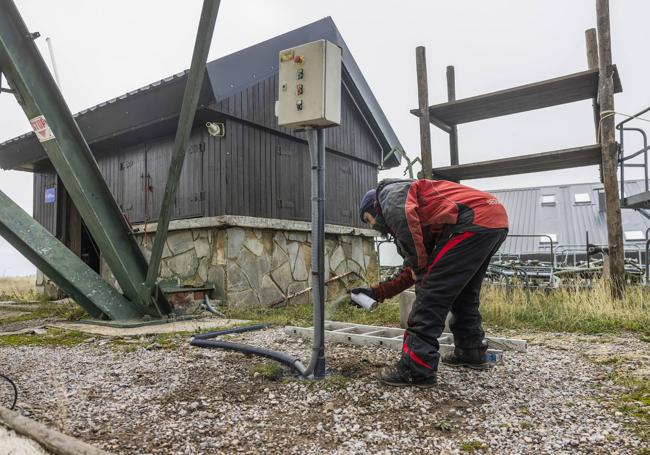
(393,287)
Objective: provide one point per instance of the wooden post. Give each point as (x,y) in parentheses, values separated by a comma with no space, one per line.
(609,151)
(453,134)
(592,63)
(423,105)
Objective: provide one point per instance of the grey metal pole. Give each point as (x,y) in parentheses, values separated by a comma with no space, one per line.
(316,141)
(185,121)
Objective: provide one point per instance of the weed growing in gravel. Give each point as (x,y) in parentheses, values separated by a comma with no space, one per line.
(333,382)
(268,371)
(568,310)
(472,446)
(442,425)
(53,338)
(636,403)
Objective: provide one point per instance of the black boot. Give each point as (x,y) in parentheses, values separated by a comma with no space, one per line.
(469,358)
(400,376)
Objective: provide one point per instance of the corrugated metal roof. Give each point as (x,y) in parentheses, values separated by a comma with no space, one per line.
(567,219)
(226,76)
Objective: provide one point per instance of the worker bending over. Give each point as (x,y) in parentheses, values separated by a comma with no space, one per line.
(446,233)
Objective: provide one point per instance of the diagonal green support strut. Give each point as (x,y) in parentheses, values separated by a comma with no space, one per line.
(40,98)
(185,121)
(45,251)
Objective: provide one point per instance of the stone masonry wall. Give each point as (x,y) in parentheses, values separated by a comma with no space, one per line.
(253,266)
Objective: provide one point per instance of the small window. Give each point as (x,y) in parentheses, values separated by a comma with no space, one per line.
(548,200)
(545,238)
(582,198)
(631,236)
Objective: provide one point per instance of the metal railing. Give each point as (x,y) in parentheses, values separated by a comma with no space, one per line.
(623,159)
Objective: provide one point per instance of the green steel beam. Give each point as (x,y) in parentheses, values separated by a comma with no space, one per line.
(40,98)
(188,110)
(61,265)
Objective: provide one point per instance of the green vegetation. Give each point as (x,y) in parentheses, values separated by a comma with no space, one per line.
(585,311)
(333,382)
(268,371)
(442,425)
(636,403)
(472,446)
(568,310)
(52,338)
(47,310)
(387,313)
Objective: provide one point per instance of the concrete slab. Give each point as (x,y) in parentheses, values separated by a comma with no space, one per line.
(195,326)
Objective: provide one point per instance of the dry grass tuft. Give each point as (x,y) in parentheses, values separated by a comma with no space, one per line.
(568,310)
(21,288)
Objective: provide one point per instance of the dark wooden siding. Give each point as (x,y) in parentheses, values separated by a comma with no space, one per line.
(45,213)
(256,104)
(256,172)
(258,169)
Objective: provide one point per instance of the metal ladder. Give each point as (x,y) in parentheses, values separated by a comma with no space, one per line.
(392,338)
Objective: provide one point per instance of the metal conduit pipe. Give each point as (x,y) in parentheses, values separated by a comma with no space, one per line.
(316,141)
(205,340)
(316,367)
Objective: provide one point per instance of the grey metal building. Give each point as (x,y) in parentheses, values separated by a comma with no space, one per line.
(256,169)
(566,213)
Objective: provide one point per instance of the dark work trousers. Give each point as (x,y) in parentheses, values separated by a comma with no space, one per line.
(451,282)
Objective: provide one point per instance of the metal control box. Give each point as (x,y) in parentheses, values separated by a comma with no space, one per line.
(310,85)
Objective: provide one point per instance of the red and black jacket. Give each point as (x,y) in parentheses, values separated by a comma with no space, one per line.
(421,212)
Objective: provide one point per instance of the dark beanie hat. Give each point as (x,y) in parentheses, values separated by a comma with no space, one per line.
(368,204)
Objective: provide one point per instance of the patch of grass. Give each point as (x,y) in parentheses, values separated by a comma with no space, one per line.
(523,410)
(645,339)
(52,338)
(268,371)
(636,403)
(50,310)
(472,446)
(333,382)
(442,425)
(568,310)
(387,313)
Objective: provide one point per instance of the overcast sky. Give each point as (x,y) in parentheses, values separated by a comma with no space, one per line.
(104,49)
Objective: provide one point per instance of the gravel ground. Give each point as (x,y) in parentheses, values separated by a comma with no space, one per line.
(13,444)
(551,399)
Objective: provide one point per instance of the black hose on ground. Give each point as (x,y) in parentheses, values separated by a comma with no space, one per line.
(206,340)
(13,404)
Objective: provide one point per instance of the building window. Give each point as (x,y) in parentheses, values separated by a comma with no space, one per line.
(546,240)
(582,198)
(548,200)
(632,236)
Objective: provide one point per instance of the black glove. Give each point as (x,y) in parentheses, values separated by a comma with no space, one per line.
(367,291)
